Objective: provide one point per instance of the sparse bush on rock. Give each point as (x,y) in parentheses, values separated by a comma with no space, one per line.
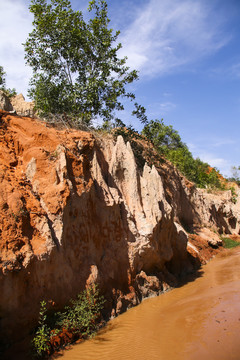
(79,320)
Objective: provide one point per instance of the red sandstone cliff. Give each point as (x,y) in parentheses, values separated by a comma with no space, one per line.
(75,209)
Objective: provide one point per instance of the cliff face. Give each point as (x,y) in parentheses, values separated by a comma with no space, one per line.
(76,209)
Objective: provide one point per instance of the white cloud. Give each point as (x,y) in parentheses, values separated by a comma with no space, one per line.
(164,36)
(213,161)
(212,150)
(235,70)
(159,109)
(167,106)
(223,142)
(231,70)
(192,147)
(169,34)
(167,94)
(223,164)
(212,142)
(15,25)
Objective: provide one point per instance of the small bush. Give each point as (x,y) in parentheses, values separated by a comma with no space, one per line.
(79,320)
(82,315)
(168,143)
(229,243)
(41,341)
(234,195)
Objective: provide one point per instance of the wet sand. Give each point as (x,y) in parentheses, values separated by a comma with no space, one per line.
(200,320)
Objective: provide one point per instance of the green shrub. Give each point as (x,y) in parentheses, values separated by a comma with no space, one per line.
(78,320)
(168,142)
(2,77)
(229,243)
(8,92)
(234,195)
(235,175)
(41,344)
(81,317)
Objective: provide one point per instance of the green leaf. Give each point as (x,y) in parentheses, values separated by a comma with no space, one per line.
(75,65)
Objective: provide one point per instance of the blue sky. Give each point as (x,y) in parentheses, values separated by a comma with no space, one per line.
(188,56)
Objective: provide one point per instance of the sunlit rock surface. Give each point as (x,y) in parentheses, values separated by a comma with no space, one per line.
(76,209)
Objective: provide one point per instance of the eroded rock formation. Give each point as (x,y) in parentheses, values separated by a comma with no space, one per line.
(16,104)
(76,209)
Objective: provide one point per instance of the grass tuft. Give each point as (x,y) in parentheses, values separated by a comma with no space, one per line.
(229,243)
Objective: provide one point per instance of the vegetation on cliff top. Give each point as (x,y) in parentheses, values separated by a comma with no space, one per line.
(168,143)
(2,76)
(8,92)
(78,76)
(235,175)
(76,72)
(76,69)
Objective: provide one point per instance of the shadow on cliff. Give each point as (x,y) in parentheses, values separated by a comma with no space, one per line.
(178,198)
(95,233)
(218,218)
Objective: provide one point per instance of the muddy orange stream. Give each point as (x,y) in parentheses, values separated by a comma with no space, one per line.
(200,320)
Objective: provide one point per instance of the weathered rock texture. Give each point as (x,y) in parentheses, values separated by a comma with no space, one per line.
(16,104)
(5,103)
(76,209)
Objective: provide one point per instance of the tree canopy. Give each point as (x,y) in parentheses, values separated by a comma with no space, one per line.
(2,77)
(77,72)
(167,142)
(235,174)
(76,69)
(8,92)
(164,137)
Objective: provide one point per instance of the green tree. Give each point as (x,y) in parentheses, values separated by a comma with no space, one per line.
(164,137)
(8,92)
(2,78)
(167,142)
(75,65)
(235,174)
